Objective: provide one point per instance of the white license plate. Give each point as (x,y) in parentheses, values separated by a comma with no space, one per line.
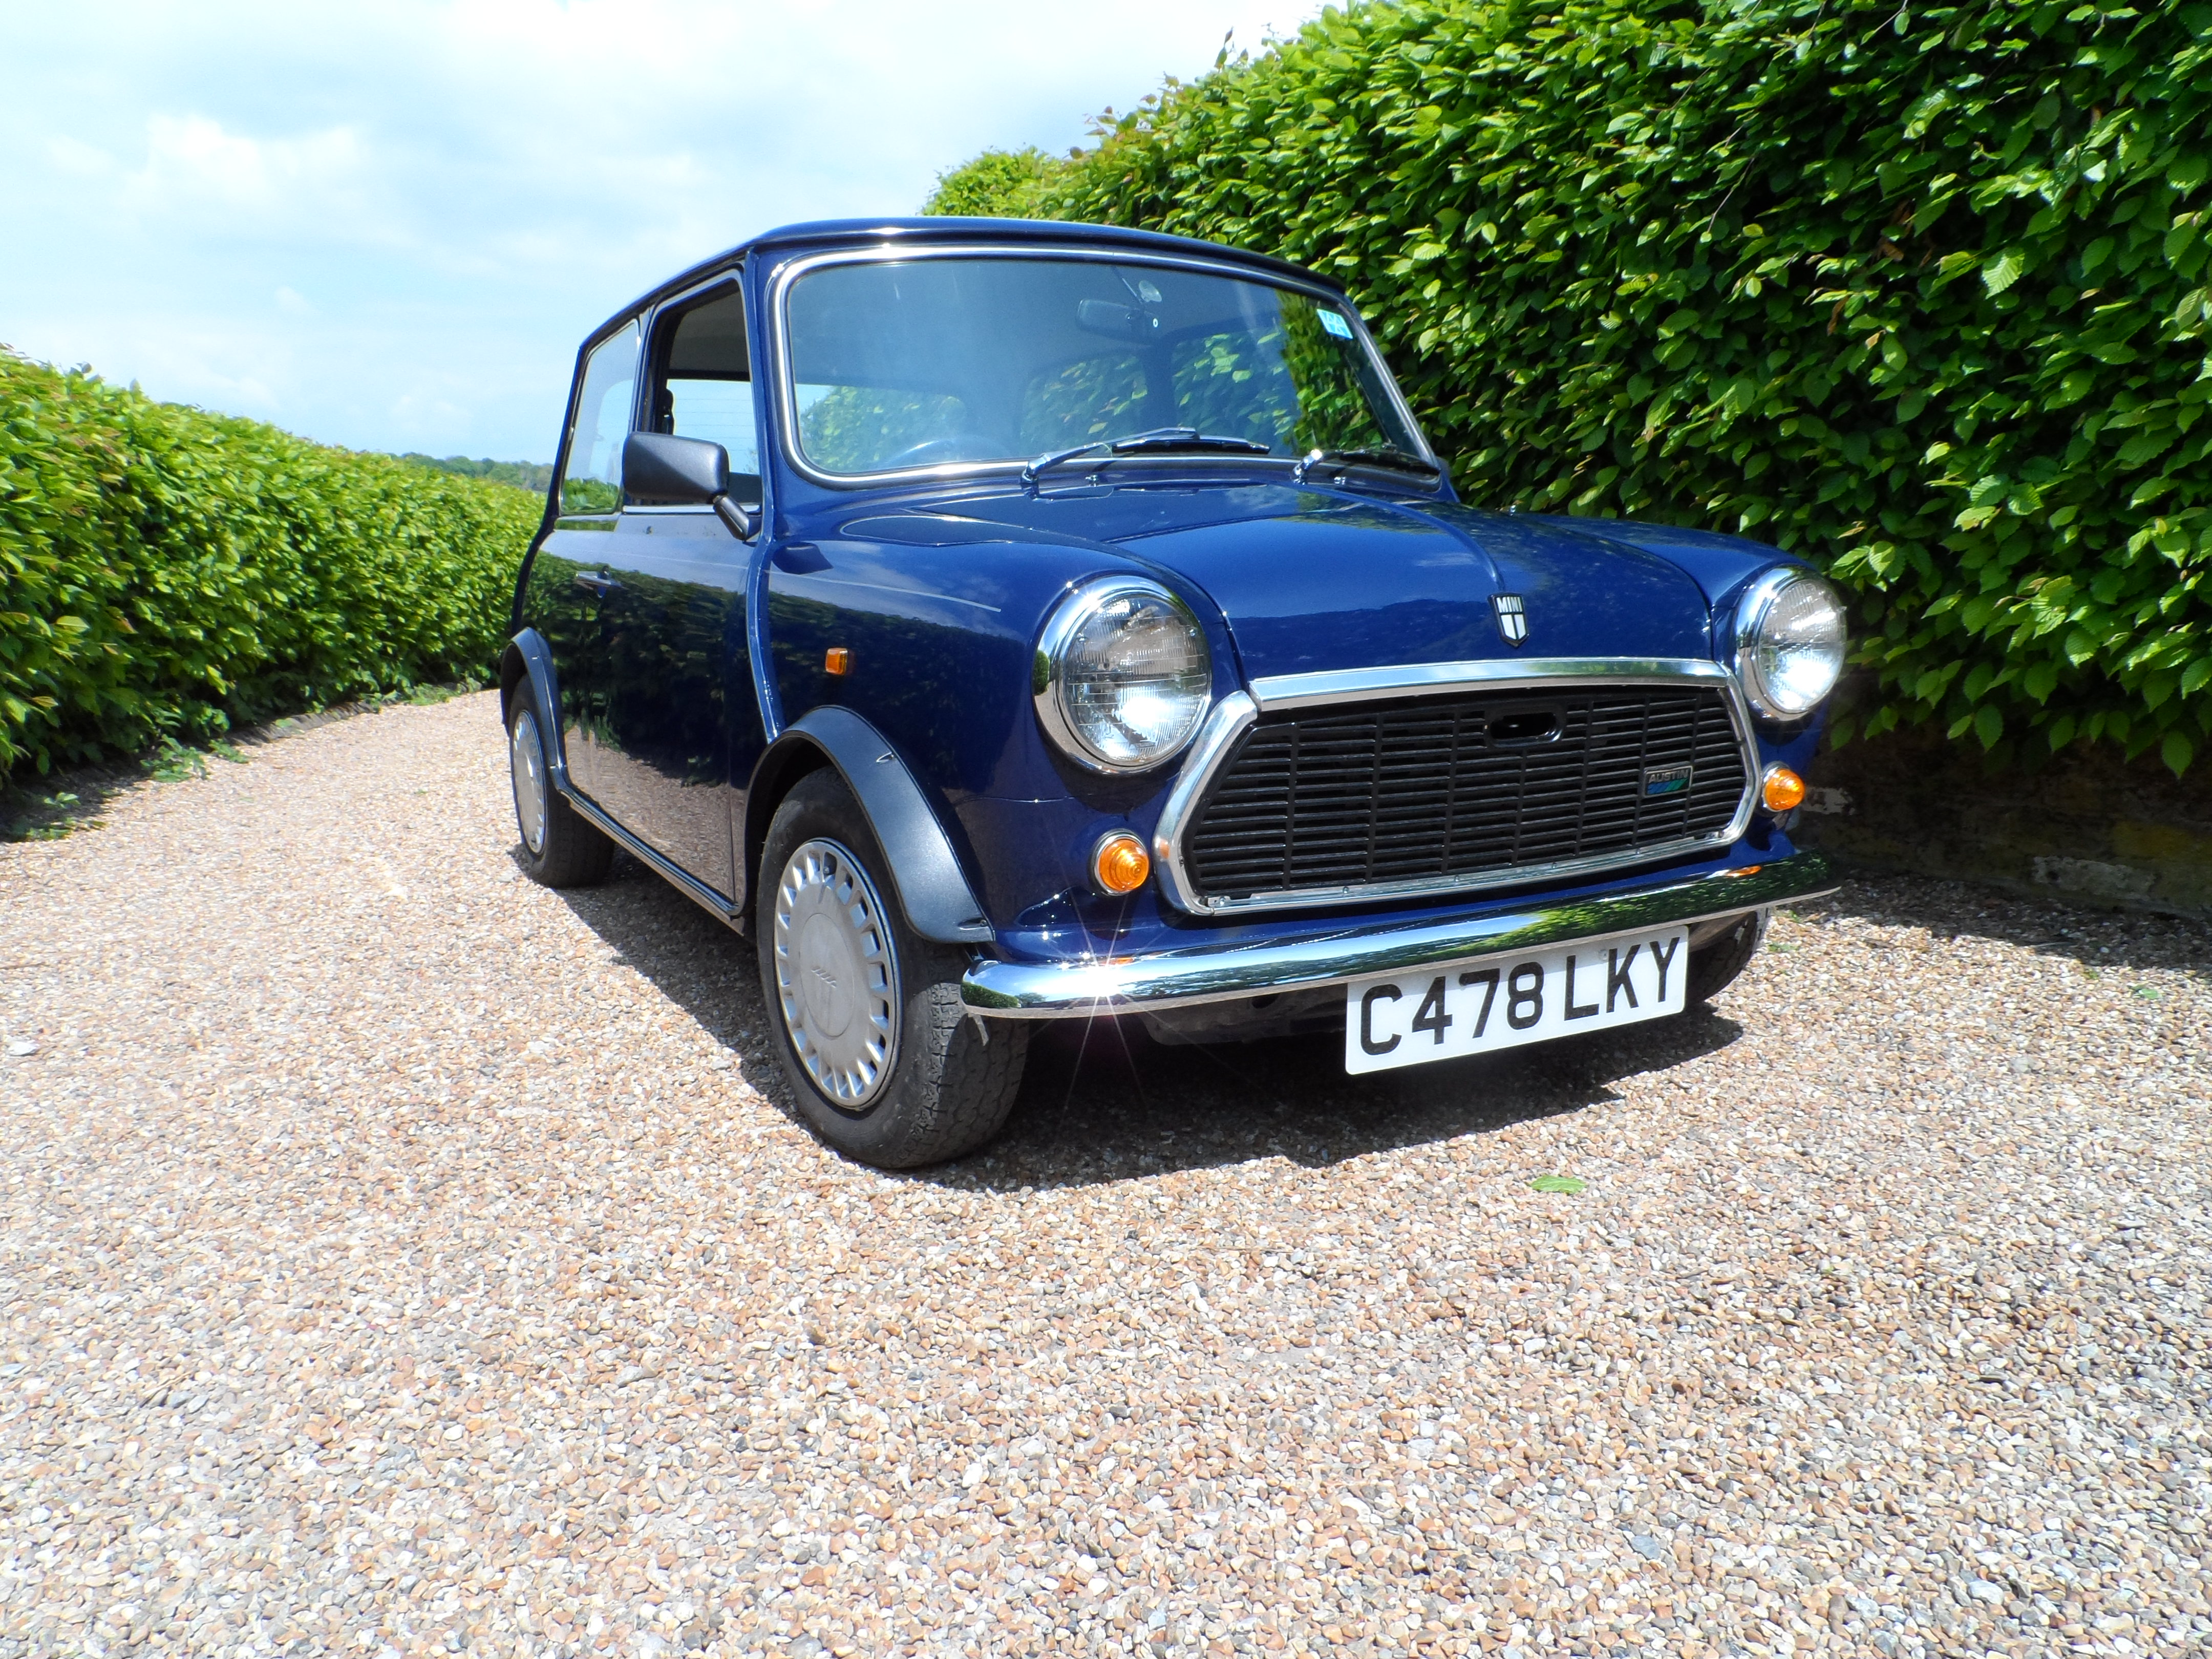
(1488,1003)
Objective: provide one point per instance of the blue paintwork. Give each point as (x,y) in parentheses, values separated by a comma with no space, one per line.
(938,590)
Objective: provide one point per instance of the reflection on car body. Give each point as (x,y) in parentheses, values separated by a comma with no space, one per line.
(1004,622)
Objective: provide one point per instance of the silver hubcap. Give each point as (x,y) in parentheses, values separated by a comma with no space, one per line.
(836,978)
(526,759)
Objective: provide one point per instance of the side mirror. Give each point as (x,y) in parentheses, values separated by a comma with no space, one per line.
(660,470)
(666,472)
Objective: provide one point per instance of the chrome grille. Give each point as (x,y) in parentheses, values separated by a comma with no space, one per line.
(1453,789)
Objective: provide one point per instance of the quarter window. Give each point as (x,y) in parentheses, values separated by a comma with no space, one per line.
(591,481)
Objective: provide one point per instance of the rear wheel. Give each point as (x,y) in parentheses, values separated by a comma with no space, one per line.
(887,1063)
(560,847)
(1715,964)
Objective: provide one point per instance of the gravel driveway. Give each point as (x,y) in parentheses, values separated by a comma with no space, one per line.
(400,1258)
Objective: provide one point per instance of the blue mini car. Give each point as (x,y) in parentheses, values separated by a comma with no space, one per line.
(1003,622)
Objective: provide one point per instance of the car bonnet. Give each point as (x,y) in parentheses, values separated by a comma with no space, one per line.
(1315,580)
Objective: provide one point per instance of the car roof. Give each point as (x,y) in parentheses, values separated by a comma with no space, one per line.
(1044,233)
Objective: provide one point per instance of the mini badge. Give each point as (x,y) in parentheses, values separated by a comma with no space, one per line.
(1512,617)
(1665,780)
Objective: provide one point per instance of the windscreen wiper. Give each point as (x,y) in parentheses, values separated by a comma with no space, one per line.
(1398,460)
(1159,439)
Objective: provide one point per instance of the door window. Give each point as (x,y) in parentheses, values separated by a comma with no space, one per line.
(591,481)
(704,386)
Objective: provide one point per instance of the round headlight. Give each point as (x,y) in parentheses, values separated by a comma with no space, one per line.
(1122,678)
(1789,643)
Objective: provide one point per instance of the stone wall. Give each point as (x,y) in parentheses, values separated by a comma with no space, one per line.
(2089,825)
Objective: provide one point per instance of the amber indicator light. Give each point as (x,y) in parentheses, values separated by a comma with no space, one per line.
(837,660)
(1782,790)
(1119,863)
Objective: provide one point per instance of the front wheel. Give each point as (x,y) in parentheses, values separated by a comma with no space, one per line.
(887,1064)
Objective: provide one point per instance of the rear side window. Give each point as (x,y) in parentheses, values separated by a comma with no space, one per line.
(591,481)
(704,386)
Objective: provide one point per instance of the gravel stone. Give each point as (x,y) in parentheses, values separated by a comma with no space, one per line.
(399,1258)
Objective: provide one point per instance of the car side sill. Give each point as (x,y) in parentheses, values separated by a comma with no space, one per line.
(1353,949)
(684,883)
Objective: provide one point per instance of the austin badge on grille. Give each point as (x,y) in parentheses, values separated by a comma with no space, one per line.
(1512,617)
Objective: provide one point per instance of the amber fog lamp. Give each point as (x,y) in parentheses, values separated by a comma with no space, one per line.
(1119,863)
(1782,790)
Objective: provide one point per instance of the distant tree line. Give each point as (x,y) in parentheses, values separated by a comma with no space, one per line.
(536,477)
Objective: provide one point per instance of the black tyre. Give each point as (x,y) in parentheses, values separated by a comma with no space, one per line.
(886,1065)
(561,847)
(1715,964)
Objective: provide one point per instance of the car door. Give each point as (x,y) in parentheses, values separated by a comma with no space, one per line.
(679,727)
(566,579)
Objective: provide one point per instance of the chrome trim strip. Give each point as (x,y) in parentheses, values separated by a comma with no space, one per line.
(1223,725)
(1421,679)
(1349,951)
(674,873)
(1233,714)
(787,403)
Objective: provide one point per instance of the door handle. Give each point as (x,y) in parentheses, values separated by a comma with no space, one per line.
(597,582)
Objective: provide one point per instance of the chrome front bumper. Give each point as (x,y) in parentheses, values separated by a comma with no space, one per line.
(1353,949)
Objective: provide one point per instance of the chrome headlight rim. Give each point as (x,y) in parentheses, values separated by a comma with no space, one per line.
(1752,612)
(1047,681)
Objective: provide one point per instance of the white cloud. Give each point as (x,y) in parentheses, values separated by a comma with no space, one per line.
(192,166)
(464,186)
(72,160)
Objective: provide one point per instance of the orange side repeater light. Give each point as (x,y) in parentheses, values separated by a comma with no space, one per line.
(1782,790)
(1120,863)
(837,660)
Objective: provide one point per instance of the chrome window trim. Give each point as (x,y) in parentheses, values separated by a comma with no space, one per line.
(785,390)
(1233,715)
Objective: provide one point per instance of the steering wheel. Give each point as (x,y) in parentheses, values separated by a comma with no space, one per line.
(955,446)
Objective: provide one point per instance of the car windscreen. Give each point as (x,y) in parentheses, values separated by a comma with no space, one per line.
(927,361)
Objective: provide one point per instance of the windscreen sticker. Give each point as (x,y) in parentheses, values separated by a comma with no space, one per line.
(1334,323)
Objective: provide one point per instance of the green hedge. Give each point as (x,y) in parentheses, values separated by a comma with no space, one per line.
(164,571)
(999,184)
(1917,291)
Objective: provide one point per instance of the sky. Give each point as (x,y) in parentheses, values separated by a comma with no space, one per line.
(387,226)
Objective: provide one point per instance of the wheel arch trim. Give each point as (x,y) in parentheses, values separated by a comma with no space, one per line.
(933,888)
